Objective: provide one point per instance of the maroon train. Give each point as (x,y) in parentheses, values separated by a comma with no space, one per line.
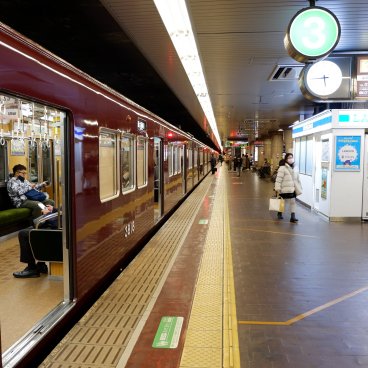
(116,170)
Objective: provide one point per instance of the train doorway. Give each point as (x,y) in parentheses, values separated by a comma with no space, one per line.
(158,179)
(33,136)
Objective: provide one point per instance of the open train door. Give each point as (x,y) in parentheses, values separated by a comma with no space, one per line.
(158,179)
(38,305)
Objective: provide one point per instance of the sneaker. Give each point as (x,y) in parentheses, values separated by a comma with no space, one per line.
(27,273)
(42,268)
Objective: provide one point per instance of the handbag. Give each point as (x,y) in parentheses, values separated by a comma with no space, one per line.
(277,204)
(35,195)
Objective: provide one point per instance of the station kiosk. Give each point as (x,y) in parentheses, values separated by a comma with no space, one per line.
(331,155)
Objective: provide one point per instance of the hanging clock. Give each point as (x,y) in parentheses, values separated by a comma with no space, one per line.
(327,80)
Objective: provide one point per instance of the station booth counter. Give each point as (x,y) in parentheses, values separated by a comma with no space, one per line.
(331,155)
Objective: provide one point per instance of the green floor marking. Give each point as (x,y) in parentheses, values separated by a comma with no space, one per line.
(203,222)
(168,333)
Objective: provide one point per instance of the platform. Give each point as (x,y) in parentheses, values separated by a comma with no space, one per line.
(240,288)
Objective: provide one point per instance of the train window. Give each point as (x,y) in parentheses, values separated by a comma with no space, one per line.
(108,178)
(46,163)
(201,157)
(170,155)
(127,163)
(174,159)
(195,157)
(174,155)
(142,165)
(190,154)
(179,158)
(3,161)
(33,161)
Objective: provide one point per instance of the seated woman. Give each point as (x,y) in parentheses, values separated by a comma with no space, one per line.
(18,186)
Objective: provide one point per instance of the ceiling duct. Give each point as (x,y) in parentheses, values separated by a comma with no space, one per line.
(286,72)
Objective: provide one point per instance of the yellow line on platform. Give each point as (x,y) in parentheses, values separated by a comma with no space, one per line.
(309,313)
(231,338)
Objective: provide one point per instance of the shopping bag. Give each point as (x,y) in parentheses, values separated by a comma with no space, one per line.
(277,204)
(35,195)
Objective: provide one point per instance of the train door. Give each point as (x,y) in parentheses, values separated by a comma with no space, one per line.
(158,179)
(33,136)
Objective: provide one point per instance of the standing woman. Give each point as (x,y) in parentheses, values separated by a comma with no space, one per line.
(287,185)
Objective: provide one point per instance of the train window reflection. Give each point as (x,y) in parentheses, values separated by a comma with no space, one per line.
(141,161)
(127,163)
(107,165)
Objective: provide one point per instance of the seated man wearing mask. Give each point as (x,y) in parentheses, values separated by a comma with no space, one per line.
(18,186)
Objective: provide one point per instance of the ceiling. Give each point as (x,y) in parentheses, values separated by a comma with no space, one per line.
(240,44)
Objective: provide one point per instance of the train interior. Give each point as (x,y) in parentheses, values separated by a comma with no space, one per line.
(32,135)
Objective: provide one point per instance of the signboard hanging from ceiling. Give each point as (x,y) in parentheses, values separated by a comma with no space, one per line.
(362,77)
(312,34)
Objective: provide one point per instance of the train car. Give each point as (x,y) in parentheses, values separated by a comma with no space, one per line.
(114,169)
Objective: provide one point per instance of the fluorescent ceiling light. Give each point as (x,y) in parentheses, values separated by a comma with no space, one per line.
(174,15)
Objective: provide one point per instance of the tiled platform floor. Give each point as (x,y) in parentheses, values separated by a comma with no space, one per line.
(301,289)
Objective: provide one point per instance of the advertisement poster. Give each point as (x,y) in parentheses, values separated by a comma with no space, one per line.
(324,183)
(347,153)
(17,147)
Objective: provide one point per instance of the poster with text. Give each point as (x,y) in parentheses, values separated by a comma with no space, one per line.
(347,153)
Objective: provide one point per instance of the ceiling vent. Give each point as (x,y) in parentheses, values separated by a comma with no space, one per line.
(286,72)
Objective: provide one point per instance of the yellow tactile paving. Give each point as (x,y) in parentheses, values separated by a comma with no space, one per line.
(212,339)
(104,337)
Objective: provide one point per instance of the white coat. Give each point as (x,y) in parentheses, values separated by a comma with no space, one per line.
(287,180)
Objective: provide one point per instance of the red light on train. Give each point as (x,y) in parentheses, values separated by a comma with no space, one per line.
(170,135)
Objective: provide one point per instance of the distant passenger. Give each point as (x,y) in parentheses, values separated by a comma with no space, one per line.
(19,188)
(213,163)
(221,159)
(230,162)
(265,170)
(238,162)
(288,185)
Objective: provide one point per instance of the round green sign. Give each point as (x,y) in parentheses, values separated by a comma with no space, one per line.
(312,34)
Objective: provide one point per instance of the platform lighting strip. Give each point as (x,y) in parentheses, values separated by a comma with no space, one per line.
(175,17)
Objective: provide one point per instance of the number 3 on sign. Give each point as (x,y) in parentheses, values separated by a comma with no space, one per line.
(316,33)
(129,229)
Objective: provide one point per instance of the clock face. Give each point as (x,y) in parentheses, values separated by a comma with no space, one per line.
(323,78)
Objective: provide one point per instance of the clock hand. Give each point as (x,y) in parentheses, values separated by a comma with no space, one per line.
(324,79)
